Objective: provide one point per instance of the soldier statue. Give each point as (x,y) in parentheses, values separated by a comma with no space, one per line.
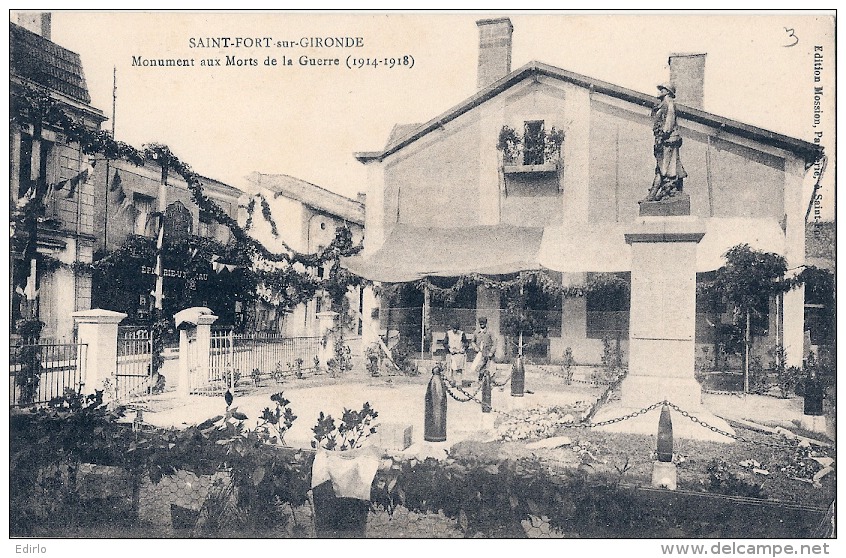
(669,172)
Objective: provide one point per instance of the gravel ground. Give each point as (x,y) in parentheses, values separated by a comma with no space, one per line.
(400,401)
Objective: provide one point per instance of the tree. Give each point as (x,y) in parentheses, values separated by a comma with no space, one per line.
(746,283)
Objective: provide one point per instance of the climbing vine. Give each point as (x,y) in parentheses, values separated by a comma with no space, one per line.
(33,106)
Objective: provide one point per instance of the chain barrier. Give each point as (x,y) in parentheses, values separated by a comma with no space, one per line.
(493,378)
(569,378)
(697,420)
(722,392)
(448,387)
(585,424)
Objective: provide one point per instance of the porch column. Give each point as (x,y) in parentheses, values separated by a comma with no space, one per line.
(98,329)
(370,324)
(793,322)
(203,343)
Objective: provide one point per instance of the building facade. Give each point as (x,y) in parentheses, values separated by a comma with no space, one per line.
(542,169)
(91,205)
(304,217)
(42,159)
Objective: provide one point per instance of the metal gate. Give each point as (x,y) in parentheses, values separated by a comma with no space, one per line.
(134,367)
(212,373)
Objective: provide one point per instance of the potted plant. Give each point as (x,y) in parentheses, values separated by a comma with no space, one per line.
(342,473)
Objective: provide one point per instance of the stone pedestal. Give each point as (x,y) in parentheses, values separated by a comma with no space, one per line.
(813,423)
(98,329)
(662,328)
(664,475)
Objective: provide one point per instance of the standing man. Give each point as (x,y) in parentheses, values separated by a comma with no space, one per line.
(483,343)
(456,345)
(669,172)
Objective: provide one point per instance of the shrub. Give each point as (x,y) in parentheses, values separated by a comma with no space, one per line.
(354,428)
(787,377)
(722,480)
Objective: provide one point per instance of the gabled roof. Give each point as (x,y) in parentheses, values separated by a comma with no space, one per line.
(399,131)
(809,151)
(311,195)
(44,62)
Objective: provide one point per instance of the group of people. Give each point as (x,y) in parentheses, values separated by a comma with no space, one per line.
(456,345)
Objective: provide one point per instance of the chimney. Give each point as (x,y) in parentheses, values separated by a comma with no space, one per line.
(361,198)
(37,22)
(494,50)
(687,73)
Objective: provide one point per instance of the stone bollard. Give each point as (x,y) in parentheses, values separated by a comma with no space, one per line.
(98,329)
(813,416)
(518,377)
(486,392)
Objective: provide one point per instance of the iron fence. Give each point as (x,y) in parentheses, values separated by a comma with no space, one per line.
(39,373)
(250,357)
(264,355)
(134,365)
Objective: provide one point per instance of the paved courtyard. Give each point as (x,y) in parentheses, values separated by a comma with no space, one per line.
(399,400)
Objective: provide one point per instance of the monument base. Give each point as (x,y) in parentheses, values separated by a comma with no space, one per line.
(672,206)
(647,423)
(641,391)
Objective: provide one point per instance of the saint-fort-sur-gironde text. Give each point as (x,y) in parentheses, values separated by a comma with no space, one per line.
(218,43)
(258,47)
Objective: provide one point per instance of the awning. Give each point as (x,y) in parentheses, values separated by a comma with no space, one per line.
(601,247)
(410,253)
(597,247)
(723,233)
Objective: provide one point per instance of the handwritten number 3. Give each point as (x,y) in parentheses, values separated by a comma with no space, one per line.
(791,34)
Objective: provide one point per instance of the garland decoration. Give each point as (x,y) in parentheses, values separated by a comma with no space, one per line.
(250,207)
(265,212)
(37,108)
(596,282)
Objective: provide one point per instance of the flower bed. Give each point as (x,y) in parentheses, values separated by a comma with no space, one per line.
(595,485)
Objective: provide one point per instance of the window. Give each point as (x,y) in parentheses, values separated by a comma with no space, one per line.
(533,143)
(608,312)
(26,177)
(208,226)
(143,210)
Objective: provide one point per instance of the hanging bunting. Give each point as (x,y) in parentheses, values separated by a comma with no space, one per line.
(26,104)
(596,282)
(80,178)
(117,187)
(158,293)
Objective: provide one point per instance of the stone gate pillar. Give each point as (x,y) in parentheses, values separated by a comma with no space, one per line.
(98,329)
(194,326)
